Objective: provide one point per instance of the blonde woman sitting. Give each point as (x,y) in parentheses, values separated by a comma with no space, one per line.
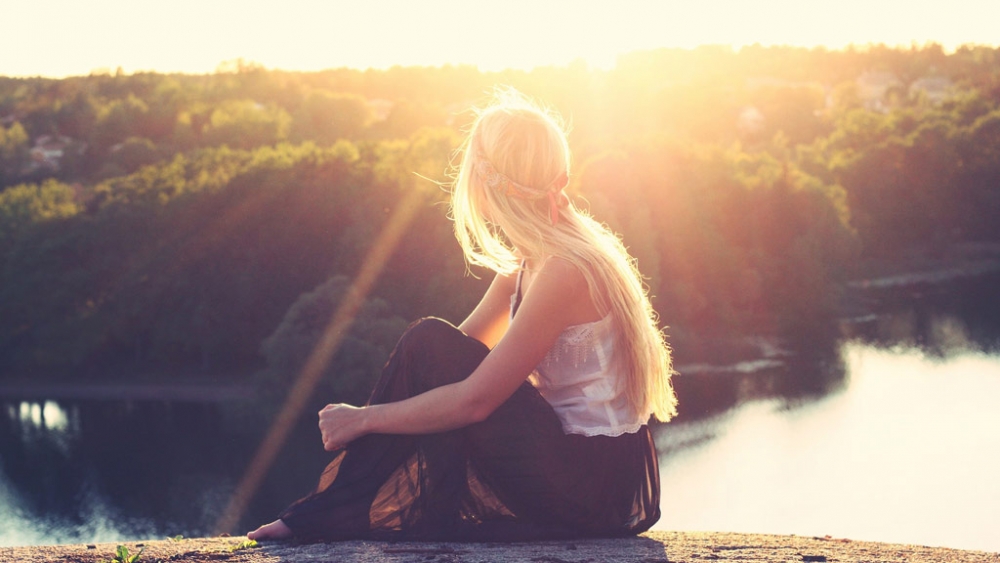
(528,420)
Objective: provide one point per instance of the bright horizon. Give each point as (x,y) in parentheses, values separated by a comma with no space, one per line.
(66,38)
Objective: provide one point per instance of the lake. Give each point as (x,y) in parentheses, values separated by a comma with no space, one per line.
(889,433)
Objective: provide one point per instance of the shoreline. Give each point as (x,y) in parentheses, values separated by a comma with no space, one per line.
(139,391)
(964,261)
(651,547)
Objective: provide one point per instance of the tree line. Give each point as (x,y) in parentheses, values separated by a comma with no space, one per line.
(207,224)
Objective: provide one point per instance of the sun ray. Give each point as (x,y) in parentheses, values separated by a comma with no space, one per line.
(325,349)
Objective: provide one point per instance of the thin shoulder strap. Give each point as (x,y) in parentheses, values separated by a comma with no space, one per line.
(517,288)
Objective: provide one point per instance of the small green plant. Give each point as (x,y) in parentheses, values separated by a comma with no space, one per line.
(178,537)
(245,544)
(122,555)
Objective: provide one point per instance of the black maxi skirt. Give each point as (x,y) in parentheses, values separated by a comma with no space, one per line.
(513,477)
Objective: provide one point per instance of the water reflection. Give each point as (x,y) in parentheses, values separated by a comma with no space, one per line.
(47,416)
(90,471)
(93,471)
(803,374)
(940,320)
(885,433)
(904,453)
(888,434)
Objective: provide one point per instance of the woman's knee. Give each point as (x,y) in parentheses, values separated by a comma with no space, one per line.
(445,353)
(432,333)
(430,327)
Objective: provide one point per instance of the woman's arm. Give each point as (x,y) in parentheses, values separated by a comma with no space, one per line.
(556,293)
(488,321)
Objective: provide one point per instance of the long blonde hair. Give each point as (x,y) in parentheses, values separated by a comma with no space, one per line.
(527,145)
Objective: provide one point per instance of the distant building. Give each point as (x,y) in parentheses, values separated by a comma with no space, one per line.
(750,121)
(380,108)
(872,87)
(49,151)
(936,89)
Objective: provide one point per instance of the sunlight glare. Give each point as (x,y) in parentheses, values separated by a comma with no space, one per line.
(54,416)
(195,37)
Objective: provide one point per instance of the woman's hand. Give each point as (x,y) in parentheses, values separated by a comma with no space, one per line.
(340,424)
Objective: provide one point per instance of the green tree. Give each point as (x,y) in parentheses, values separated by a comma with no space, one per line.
(325,117)
(26,205)
(14,146)
(246,124)
(351,373)
(118,120)
(129,156)
(407,117)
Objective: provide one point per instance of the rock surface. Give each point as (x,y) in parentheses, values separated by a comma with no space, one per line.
(653,547)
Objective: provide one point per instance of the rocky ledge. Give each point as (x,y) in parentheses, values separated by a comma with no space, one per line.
(653,547)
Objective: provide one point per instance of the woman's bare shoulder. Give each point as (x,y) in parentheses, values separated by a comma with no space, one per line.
(564,284)
(562,273)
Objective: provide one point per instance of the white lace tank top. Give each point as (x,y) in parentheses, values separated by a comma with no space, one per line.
(576,377)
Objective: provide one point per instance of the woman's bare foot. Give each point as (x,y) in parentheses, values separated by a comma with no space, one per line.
(276,530)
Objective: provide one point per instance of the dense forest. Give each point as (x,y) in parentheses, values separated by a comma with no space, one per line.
(157,225)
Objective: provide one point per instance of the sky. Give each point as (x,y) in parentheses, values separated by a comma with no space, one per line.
(60,38)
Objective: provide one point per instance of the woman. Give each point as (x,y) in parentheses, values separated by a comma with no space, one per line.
(528,421)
